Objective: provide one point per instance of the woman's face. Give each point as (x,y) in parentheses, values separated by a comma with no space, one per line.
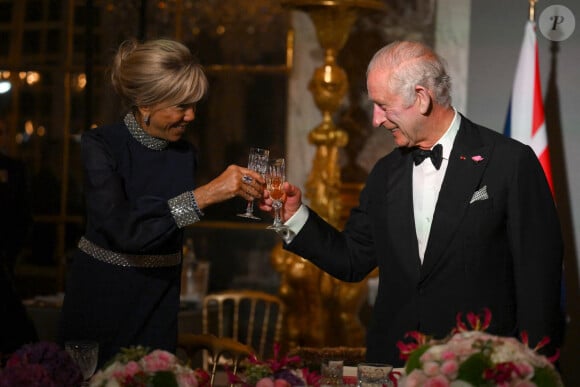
(169,123)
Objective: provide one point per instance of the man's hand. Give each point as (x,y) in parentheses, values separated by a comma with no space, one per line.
(292,200)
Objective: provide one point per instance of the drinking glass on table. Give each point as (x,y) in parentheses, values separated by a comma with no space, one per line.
(275,178)
(374,375)
(257,161)
(331,371)
(85,354)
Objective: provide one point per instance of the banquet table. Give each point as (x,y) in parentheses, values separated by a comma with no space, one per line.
(45,313)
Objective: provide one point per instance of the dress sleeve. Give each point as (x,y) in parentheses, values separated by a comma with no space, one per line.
(139,224)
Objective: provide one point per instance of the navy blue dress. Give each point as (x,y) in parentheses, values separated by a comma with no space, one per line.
(127,185)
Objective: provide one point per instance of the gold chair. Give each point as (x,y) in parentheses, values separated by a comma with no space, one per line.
(251,317)
(218,348)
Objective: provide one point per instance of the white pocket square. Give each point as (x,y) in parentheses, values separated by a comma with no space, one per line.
(480,194)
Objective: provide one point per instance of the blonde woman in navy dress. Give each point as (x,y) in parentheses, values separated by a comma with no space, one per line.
(124,280)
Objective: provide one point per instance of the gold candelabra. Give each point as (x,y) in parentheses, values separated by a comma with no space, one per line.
(324,310)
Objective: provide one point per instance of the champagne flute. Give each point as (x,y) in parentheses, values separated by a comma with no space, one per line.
(257,161)
(275,177)
(85,354)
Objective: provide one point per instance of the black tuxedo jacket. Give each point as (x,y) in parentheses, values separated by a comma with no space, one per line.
(503,252)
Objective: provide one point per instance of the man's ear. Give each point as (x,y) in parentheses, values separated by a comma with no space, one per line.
(423,99)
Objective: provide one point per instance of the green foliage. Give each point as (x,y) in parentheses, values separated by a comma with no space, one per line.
(413,360)
(546,377)
(129,354)
(163,379)
(471,370)
(256,372)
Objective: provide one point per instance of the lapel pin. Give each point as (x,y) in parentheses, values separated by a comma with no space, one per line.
(461,157)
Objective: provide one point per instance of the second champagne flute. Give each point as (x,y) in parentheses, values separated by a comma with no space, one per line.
(275,177)
(257,161)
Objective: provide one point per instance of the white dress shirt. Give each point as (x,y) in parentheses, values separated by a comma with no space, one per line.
(427,184)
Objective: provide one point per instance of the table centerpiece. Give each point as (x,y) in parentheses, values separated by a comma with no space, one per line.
(473,357)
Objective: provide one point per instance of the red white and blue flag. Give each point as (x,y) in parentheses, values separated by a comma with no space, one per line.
(526,120)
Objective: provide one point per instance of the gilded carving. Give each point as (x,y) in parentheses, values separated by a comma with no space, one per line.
(324,311)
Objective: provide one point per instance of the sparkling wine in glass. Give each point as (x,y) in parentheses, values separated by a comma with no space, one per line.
(275,178)
(257,161)
(85,354)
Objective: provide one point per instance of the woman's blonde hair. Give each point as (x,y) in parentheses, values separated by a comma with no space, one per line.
(159,71)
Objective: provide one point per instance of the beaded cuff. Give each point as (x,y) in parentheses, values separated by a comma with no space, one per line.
(184,209)
(198,210)
(143,137)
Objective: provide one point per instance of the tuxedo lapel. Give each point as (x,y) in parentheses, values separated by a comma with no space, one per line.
(467,163)
(399,213)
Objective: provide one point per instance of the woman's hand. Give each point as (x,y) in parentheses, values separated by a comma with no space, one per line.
(234,181)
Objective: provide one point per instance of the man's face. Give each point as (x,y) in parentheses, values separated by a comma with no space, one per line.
(392,112)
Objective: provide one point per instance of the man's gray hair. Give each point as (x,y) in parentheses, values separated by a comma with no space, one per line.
(412,64)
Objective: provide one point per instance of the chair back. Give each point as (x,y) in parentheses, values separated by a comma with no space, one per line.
(251,317)
(217,349)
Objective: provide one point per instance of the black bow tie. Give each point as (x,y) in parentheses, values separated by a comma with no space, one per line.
(435,154)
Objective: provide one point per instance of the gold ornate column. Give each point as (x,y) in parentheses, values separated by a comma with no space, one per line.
(323,310)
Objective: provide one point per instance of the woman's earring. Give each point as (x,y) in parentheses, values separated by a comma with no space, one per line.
(147,120)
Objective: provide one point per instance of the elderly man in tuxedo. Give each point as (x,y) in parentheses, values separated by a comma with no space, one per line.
(457,217)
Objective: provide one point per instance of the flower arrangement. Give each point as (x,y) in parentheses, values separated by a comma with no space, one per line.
(472,357)
(139,367)
(42,364)
(280,371)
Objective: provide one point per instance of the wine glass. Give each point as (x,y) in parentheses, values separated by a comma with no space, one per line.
(85,354)
(257,161)
(275,177)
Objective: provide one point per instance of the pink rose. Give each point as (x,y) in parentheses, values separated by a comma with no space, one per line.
(132,368)
(158,360)
(437,381)
(431,368)
(477,158)
(265,382)
(524,368)
(281,383)
(415,379)
(448,355)
(128,371)
(426,356)
(449,368)
(187,379)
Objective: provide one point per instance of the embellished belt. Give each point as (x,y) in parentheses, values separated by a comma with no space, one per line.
(128,260)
